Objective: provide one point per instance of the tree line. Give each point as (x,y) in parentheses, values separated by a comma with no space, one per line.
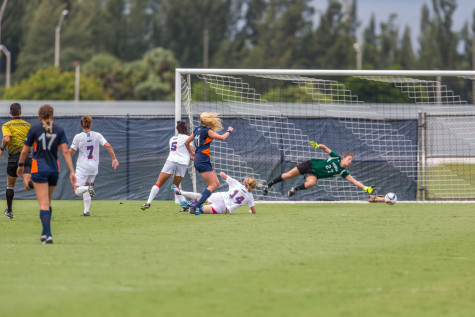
(130,48)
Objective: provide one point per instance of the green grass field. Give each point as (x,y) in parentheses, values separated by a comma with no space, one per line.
(287,260)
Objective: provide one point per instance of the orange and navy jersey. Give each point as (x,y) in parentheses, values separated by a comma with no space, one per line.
(202,140)
(45,147)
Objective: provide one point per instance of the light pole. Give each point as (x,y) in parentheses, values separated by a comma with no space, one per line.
(4,49)
(357,48)
(58,31)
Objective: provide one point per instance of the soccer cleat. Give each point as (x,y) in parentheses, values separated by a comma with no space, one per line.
(265,190)
(48,240)
(176,190)
(9,214)
(291,192)
(194,208)
(184,206)
(86,214)
(43,238)
(91,190)
(145,206)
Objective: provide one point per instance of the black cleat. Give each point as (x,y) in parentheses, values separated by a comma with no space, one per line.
(43,238)
(265,190)
(48,240)
(86,214)
(291,192)
(145,206)
(91,190)
(9,214)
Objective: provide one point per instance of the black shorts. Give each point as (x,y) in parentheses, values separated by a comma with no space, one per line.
(13,164)
(305,169)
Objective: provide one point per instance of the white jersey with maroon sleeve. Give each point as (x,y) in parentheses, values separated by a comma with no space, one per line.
(87,144)
(178,150)
(237,195)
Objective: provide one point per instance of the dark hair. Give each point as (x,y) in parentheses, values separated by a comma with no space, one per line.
(86,122)
(15,109)
(349,154)
(182,127)
(46,117)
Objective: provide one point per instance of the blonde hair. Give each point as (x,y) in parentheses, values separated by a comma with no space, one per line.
(212,121)
(250,183)
(86,122)
(45,115)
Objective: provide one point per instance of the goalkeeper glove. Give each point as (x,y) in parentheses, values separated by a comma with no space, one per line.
(314,144)
(369,189)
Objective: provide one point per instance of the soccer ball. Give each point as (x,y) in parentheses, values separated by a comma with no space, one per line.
(390,198)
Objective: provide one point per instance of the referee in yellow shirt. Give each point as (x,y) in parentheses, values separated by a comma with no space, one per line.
(14,135)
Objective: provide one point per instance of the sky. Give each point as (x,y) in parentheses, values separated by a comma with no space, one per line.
(408,13)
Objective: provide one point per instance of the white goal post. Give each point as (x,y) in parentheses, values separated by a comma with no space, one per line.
(411,132)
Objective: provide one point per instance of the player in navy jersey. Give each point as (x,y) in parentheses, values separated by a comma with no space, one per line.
(46,139)
(202,137)
(315,169)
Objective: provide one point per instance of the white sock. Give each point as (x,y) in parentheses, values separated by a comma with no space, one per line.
(86,197)
(180,198)
(190,195)
(153,193)
(81,190)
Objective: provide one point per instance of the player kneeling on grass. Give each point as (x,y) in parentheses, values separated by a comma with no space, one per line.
(315,169)
(225,202)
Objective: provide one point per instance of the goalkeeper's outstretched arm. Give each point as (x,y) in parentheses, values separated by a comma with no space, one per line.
(315,145)
(358,184)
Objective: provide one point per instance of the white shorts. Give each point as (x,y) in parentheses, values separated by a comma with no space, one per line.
(216,200)
(81,179)
(174,168)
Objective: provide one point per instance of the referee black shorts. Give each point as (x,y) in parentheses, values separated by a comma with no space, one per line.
(13,164)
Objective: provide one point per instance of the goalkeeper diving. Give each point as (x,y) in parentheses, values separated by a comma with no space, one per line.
(314,169)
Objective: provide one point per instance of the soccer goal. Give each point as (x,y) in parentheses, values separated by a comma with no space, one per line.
(411,132)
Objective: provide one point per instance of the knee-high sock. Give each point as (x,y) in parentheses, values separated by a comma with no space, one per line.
(81,190)
(10,193)
(153,192)
(86,197)
(275,181)
(190,195)
(45,217)
(204,196)
(180,198)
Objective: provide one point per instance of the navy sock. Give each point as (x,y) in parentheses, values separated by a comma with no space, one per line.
(45,217)
(204,196)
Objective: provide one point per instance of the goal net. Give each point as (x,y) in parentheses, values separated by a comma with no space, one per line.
(411,132)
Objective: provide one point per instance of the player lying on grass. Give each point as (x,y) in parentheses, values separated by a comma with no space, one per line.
(315,169)
(224,202)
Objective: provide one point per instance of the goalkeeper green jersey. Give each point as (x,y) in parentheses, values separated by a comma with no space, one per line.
(16,129)
(329,167)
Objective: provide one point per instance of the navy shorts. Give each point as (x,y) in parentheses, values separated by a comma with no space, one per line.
(45,177)
(203,165)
